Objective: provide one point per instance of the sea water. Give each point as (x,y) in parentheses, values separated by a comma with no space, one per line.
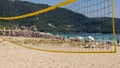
(97,36)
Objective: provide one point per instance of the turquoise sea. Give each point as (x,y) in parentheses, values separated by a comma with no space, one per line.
(97,36)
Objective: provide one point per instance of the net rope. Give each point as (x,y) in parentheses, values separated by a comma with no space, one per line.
(90,10)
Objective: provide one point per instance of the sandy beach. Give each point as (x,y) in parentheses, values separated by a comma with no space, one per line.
(12,56)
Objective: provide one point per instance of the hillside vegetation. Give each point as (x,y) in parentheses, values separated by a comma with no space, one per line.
(58,20)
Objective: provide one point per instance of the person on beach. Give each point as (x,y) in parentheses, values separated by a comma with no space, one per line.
(118,41)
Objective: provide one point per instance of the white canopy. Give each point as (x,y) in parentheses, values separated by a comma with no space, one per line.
(80,38)
(91,38)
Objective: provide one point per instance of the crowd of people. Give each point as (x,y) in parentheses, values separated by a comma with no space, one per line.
(37,34)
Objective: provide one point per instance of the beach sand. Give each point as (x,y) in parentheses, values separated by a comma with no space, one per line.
(12,56)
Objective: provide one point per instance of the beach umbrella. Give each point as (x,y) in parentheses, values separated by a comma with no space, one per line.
(91,38)
(49,34)
(71,38)
(80,38)
(42,33)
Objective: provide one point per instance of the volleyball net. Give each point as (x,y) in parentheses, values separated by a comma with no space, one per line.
(80,26)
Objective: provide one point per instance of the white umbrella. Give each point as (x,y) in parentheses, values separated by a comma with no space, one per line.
(42,33)
(71,38)
(49,34)
(91,38)
(80,38)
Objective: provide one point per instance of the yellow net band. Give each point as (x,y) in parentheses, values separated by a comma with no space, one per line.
(38,12)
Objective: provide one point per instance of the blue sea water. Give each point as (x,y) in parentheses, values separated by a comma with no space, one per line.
(97,36)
